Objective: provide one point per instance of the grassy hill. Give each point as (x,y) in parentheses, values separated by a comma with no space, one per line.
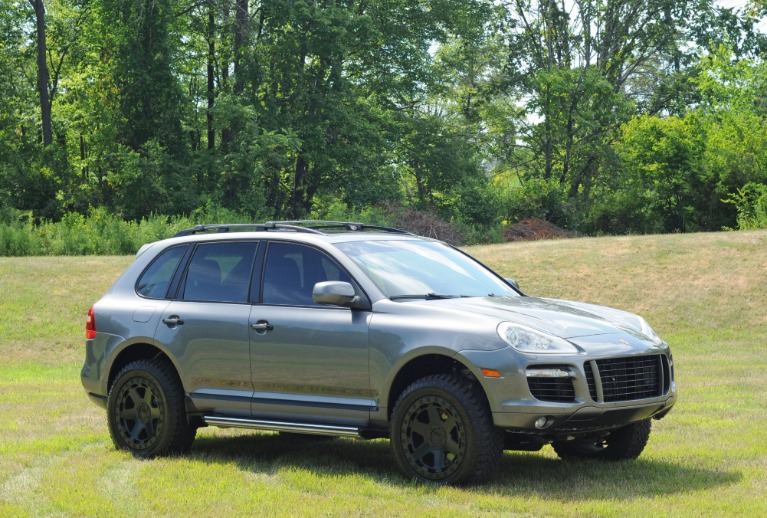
(706,294)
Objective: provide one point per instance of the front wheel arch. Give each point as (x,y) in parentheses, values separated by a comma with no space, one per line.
(426,365)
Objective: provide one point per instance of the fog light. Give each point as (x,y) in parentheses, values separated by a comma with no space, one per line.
(541,422)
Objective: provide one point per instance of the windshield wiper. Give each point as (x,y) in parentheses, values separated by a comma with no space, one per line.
(425,296)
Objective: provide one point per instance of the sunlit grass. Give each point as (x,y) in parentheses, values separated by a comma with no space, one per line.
(706,294)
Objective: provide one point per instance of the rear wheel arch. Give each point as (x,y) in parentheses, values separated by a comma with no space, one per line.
(135,352)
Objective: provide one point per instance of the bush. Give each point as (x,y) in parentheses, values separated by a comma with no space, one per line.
(100,233)
(617,213)
(751,203)
(336,210)
(539,199)
(104,233)
(422,223)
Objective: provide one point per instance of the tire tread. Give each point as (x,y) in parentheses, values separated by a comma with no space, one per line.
(489,440)
(181,434)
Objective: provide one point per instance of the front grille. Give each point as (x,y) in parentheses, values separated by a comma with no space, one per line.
(628,379)
(558,390)
(590,381)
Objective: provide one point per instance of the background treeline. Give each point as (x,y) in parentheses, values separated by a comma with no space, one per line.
(601,116)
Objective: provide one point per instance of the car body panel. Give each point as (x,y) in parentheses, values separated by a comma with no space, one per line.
(123,321)
(313,360)
(339,366)
(212,349)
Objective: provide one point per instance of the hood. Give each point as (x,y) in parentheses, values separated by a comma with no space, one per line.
(565,319)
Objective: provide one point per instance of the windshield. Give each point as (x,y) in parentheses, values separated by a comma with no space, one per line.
(423,269)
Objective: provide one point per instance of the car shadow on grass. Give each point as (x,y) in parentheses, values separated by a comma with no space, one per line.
(521,473)
(269,453)
(590,479)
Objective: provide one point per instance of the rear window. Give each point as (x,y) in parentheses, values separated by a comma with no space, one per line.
(220,272)
(155,281)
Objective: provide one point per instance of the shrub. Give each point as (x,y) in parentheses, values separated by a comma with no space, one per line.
(751,203)
(422,223)
(540,199)
(100,233)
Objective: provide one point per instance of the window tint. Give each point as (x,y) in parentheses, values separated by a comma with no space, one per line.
(220,272)
(411,267)
(155,280)
(291,272)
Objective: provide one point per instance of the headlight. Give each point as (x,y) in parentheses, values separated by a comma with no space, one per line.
(528,340)
(648,331)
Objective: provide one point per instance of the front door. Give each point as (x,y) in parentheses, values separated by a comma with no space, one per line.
(307,359)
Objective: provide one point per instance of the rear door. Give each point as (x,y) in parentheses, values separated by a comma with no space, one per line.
(308,361)
(206,327)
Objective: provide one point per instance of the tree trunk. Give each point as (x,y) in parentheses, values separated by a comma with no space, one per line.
(83,156)
(227,135)
(241,35)
(297,196)
(211,77)
(42,72)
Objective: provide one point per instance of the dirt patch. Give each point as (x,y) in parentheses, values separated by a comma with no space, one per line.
(534,229)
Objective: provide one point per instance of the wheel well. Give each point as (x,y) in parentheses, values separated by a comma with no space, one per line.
(422,366)
(131,354)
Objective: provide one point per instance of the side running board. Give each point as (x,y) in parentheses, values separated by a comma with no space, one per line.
(280,426)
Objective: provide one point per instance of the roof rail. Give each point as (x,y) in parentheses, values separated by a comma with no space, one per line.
(310,226)
(255,227)
(338,226)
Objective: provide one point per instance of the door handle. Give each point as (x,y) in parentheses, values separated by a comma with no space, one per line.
(262,325)
(173,321)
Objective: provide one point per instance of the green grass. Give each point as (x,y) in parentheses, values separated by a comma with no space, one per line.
(705,293)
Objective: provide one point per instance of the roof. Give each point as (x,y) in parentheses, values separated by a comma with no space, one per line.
(319,227)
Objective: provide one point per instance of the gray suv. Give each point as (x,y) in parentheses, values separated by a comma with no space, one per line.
(345,329)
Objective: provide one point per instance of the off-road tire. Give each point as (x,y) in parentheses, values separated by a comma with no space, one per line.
(625,443)
(442,432)
(145,410)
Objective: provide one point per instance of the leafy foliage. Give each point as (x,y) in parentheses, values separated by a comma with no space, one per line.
(751,203)
(101,233)
(604,116)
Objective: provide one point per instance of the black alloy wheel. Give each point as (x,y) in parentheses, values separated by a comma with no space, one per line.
(442,432)
(435,437)
(146,411)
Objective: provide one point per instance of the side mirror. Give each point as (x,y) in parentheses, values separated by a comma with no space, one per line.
(513,283)
(335,293)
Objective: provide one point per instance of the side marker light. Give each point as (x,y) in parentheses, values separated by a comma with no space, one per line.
(491,373)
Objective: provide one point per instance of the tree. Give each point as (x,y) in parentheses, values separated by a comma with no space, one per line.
(661,162)
(575,67)
(142,108)
(42,71)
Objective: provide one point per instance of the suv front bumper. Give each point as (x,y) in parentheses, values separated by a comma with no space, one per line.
(557,418)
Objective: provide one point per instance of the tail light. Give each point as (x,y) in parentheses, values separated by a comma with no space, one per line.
(90,325)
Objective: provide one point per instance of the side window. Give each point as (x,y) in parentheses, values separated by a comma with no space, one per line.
(154,282)
(220,272)
(291,271)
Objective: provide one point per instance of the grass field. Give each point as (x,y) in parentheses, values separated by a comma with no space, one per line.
(706,294)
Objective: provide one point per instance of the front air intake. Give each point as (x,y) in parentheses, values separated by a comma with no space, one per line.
(628,379)
(551,384)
